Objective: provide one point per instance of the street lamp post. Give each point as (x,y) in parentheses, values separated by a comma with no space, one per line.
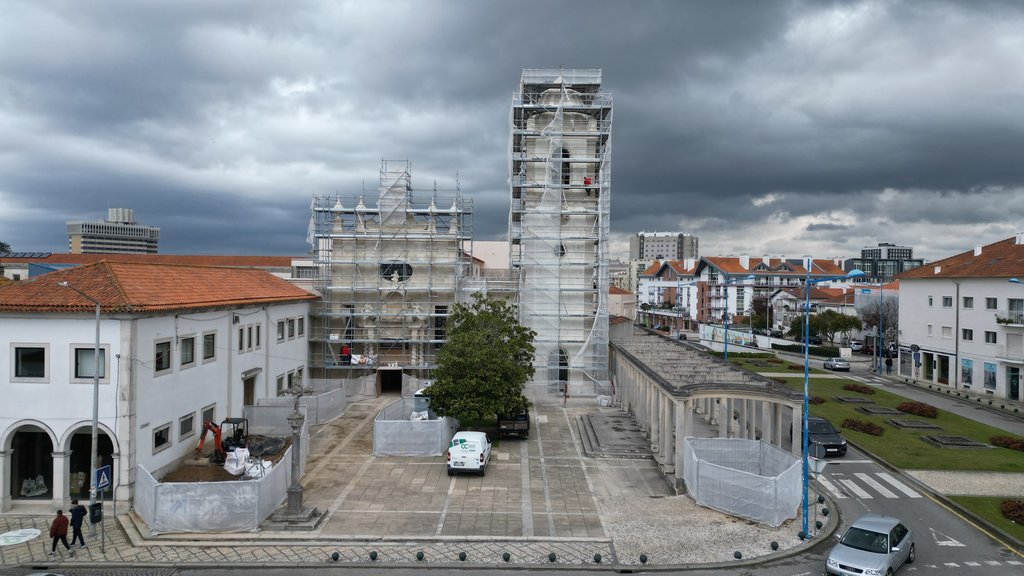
(728,283)
(807,369)
(93,453)
(881,303)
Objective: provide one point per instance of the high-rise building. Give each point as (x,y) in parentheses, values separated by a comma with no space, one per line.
(560,160)
(663,246)
(118,234)
(884,261)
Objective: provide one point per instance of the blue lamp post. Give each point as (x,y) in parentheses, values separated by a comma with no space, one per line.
(728,283)
(807,369)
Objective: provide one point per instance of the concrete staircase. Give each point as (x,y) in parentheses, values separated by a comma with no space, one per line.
(612,435)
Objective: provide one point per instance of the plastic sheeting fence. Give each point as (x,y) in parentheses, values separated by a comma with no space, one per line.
(396,434)
(273,421)
(320,408)
(239,506)
(747,478)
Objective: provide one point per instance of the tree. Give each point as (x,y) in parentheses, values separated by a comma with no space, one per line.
(482,368)
(833,323)
(759,315)
(796,328)
(890,314)
(4,247)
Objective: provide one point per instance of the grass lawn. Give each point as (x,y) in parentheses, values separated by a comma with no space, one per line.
(988,508)
(904,448)
(768,364)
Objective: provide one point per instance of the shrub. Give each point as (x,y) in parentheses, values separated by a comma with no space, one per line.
(862,426)
(776,360)
(815,400)
(919,409)
(1011,442)
(1013,510)
(862,389)
(796,367)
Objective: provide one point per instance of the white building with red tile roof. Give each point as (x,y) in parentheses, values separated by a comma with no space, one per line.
(178,344)
(961,322)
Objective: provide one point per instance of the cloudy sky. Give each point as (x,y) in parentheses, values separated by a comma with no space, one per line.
(782,128)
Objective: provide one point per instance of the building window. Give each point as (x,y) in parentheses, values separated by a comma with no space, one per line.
(991,303)
(241,339)
(298,376)
(990,337)
(929,329)
(291,328)
(990,376)
(209,413)
(161,437)
(966,372)
(280,385)
(930,302)
(30,362)
(301,328)
(967,334)
(186,426)
(248,338)
(280,330)
(968,302)
(84,363)
(162,356)
(188,351)
(209,346)
(259,329)
(947,331)
(947,301)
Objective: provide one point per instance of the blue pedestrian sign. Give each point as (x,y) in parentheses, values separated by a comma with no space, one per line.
(103,477)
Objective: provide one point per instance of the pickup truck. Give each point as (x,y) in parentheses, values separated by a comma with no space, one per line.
(514,424)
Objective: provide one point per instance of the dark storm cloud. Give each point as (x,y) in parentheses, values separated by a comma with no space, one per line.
(763,127)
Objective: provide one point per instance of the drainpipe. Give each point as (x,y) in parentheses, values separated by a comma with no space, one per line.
(955,369)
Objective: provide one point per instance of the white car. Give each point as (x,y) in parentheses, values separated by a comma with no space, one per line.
(469,452)
(856,346)
(875,545)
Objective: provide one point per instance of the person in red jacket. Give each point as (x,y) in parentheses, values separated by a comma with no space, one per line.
(59,531)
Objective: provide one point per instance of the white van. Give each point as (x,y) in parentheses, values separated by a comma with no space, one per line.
(468,452)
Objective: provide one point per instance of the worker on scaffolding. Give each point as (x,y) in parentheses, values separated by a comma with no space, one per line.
(346,355)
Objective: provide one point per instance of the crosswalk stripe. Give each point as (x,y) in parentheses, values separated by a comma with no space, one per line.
(831,487)
(898,485)
(875,484)
(975,564)
(1014,563)
(853,487)
(992,562)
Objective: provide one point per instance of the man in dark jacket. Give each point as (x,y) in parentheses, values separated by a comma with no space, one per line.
(59,531)
(77,515)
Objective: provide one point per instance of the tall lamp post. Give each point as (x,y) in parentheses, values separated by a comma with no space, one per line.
(93,453)
(879,343)
(728,283)
(807,369)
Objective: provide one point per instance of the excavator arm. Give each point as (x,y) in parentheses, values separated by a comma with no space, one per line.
(218,449)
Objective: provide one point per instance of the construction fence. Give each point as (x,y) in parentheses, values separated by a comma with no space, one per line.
(397,433)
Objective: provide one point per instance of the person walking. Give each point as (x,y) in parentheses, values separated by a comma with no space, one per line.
(77,512)
(888,365)
(59,532)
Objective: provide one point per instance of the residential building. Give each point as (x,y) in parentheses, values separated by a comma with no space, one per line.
(663,246)
(178,345)
(669,294)
(883,262)
(962,323)
(621,303)
(560,187)
(119,233)
(21,265)
(788,303)
(390,268)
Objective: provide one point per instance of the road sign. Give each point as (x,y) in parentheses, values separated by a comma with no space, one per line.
(103,475)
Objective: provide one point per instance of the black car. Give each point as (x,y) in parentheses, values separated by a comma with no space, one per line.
(824,434)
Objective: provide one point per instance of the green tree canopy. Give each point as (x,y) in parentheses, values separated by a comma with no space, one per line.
(482,368)
(4,247)
(833,324)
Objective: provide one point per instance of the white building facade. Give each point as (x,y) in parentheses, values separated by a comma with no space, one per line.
(164,368)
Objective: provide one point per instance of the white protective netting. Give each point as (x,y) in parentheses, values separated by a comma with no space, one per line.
(397,433)
(748,478)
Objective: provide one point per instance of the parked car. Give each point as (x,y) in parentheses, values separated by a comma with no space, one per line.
(468,452)
(868,349)
(872,545)
(824,434)
(837,364)
(777,334)
(814,340)
(856,346)
(514,425)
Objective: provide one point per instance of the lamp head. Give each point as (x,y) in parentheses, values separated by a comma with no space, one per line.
(64,284)
(855,273)
(1015,280)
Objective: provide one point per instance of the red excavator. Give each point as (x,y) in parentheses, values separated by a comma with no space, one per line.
(232,433)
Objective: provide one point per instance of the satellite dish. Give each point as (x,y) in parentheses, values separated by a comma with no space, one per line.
(915,348)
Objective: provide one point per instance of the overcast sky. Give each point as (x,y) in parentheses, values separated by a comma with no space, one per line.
(782,128)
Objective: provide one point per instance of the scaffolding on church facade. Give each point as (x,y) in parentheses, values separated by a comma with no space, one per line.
(560,180)
(390,266)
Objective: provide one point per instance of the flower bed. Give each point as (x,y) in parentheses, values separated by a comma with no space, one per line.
(859,388)
(862,426)
(815,400)
(1013,510)
(1011,442)
(919,409)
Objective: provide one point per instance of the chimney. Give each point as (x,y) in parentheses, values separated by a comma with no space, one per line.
(977,250)
(1019,239)
(937,269)
(807,262)
(688,263)
(745,261)
(766,259)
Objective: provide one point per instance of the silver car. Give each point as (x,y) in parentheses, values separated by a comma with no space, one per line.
(873,546)
(837,364)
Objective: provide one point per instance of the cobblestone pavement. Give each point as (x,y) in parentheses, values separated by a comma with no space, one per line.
(539,497)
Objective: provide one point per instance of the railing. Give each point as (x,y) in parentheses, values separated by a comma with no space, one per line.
(1015,353)
(1010,317)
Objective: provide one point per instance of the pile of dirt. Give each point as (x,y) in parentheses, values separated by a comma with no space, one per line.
(196,472)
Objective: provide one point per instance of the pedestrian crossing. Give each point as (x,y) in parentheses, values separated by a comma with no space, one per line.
(866,486)
(869,380)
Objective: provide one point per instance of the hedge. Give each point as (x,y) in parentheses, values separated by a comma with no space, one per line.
(827,351)
(862,426)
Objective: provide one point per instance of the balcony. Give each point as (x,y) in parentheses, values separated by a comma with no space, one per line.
(1013,354)
(1012,318)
